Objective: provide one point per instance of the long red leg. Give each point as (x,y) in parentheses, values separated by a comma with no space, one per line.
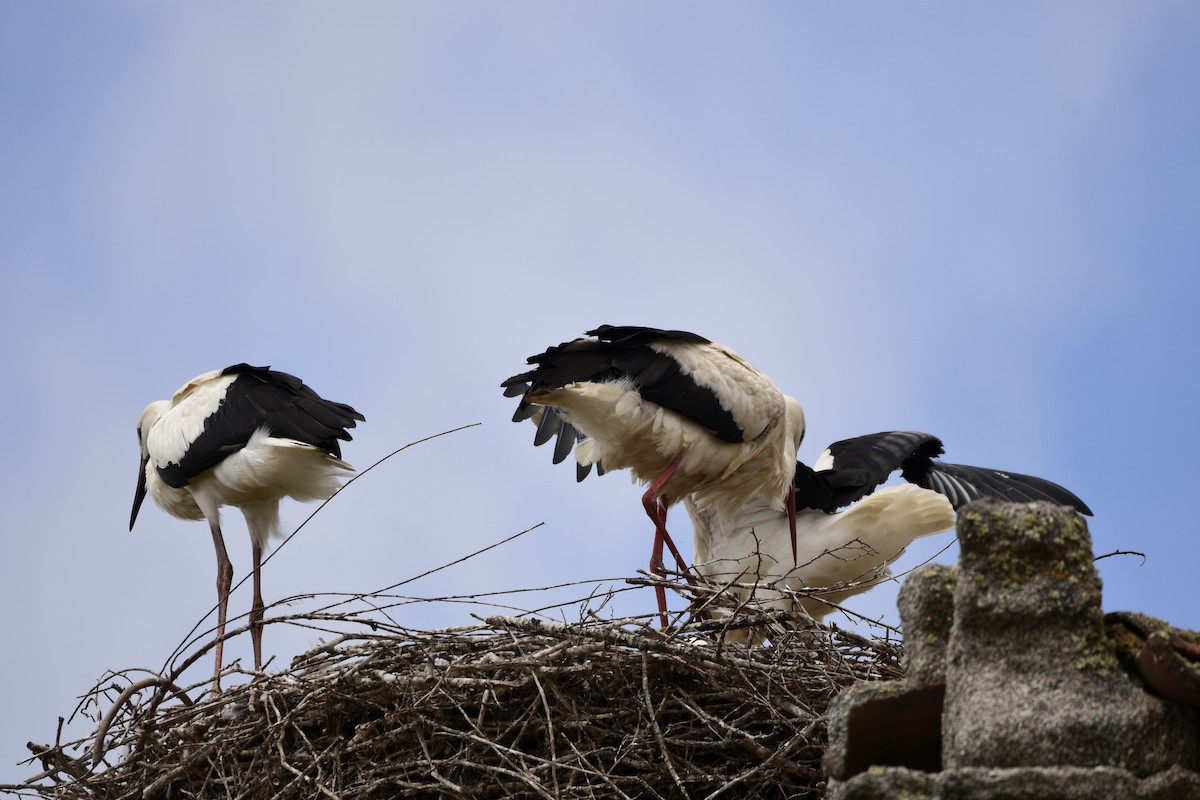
(224,582)
(657,511)
(656,567)
(256,611)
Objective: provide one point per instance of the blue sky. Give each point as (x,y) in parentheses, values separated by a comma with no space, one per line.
(980,223)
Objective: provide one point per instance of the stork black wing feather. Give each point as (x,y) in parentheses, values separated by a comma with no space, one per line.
(261,397)
(863,463)
(637,335)
(813,489)
(549,425)
(860,465)
(962,484)
(618,353)
(661,381)
(567,437)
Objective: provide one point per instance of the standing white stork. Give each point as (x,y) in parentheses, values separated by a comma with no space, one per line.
(243,436)
(848,552)
(682,413)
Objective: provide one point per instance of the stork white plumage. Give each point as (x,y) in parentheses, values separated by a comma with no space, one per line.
(844,553)
(247,437)
(682,413)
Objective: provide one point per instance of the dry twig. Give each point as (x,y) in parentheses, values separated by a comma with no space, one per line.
(511,707)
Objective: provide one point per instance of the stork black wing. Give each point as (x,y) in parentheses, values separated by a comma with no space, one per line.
(961,484)
(631,335)
(859,465)
(618,353)
(261,397)
(864,462)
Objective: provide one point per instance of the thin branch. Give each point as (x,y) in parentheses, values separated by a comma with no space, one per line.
(1123,553)
(188,637)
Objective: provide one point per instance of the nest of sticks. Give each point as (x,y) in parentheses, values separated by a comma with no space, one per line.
(513,706)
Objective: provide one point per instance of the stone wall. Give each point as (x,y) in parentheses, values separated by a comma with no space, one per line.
(1016,684)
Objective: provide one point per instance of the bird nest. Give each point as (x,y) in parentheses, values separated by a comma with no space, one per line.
(509,707)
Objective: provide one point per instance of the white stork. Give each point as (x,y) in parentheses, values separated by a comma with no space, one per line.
(849,551)
(682,413)
(242,436)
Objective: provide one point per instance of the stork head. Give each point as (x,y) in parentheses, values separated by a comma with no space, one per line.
(150,415)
